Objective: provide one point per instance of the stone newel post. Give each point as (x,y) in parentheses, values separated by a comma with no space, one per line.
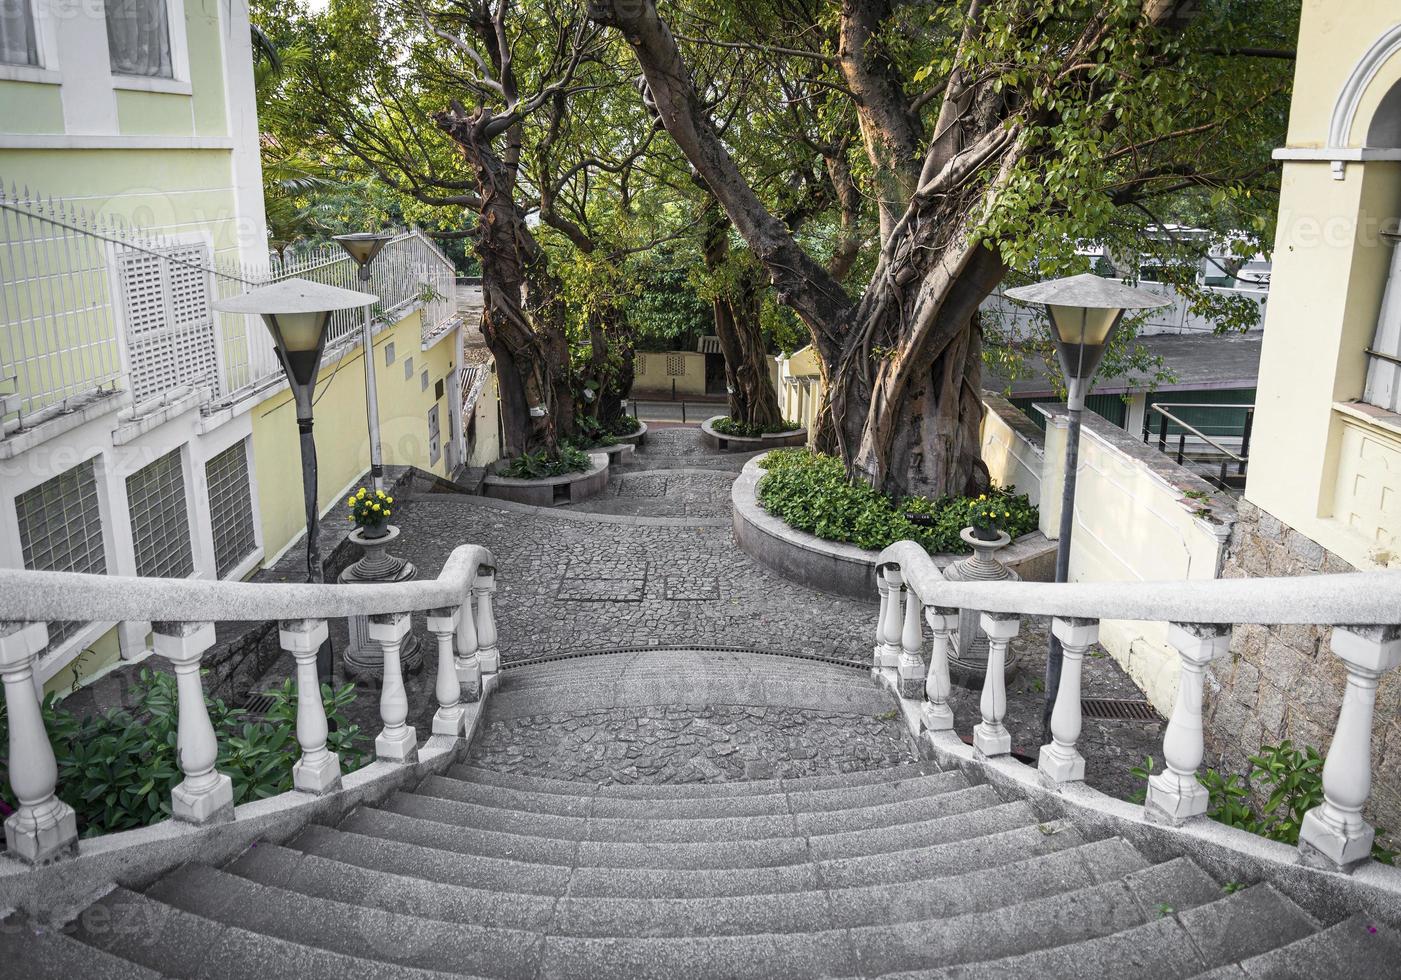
(1334,836)
(44,827)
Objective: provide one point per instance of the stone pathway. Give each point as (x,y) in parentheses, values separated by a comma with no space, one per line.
(674,492)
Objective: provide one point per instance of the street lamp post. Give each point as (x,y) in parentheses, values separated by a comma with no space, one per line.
(363,247)
(1085,311)
(296,313)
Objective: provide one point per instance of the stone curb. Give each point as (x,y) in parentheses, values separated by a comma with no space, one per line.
(511,506)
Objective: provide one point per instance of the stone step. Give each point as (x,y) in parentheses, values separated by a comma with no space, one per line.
(1085,913)
(355,930)
(1244,924)
(451,786)
(611,668)
(389,823)
(714,830)
(1001,835)
(53,954)
(671,791)
(1355,947)
(176,943)
(700,692)
(614,819)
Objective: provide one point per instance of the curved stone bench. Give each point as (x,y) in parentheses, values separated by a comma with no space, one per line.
(549,491)
(750,444)
(844,569)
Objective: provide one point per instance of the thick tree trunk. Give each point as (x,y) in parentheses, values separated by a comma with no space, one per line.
(522,318)
(611,368)
(753,399)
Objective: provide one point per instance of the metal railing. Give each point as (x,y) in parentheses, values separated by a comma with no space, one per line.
(91,306)
(1201,445)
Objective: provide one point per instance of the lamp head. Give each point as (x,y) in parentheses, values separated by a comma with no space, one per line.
(363,246)
(1085,311)
(296,313)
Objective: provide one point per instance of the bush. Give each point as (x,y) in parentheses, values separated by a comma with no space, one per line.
(729,427)
(811,492)
(1290,779)
(624,425)
(542,464)
(116,769)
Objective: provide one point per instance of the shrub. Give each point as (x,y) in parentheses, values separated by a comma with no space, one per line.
(624,425)
(116,769)
(541,464)
(1291,780)
(369,509)
(811,492)
(729,427)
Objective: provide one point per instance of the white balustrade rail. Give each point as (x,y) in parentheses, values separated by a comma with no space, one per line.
(183,613)
(1363,608)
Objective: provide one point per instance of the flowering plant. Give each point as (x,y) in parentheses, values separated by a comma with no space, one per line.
(369,510)
(989,516)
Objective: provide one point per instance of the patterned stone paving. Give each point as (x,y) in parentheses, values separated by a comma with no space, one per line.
(721,743)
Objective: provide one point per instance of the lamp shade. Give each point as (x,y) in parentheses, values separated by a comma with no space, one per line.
(301,331)
(363,246)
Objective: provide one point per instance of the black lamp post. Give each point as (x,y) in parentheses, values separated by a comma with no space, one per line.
(363,247)
(1085,311)
(297,312)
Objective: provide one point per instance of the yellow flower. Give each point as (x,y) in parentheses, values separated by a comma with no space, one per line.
(982,496)
(389,500)
(1006,513)
(374,506)
(350,501)
(361,492)
(388,512)
(380,494)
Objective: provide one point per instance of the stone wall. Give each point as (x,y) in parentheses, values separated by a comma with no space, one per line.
(1284,682)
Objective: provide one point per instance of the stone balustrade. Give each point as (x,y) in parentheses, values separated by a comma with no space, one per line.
(1363,609)
(183,613)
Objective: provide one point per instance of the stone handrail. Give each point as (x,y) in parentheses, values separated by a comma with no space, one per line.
(183,613)
(1363,608)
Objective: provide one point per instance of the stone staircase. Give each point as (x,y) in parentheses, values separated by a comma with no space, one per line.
(898,870)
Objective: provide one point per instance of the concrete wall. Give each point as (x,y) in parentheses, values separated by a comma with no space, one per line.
(658,371)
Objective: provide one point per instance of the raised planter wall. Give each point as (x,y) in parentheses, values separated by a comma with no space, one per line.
(636,438)
(750,444)
(568,489)
(844,569)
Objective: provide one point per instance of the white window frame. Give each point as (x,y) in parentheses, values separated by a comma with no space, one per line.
(179,59)
(46,40)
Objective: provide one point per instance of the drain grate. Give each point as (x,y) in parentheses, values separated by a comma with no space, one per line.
(256,702)
(1118,709)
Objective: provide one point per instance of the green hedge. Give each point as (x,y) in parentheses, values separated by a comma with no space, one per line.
(810,492)
(729,427)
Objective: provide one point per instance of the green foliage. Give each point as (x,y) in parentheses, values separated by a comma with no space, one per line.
(542,463)
(369,509)
(745,430)
(812,492)
(117,769)
(1288,777)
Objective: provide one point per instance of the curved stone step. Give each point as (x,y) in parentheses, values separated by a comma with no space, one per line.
(355,930)
(700,692)
(53,954)
(1355,947)
(469,772)
(176,943)
(713,830)
(450,786)
(1073,916)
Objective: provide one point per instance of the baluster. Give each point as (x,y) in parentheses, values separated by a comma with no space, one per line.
(894,618)
(448,720)
(469,667)
(397,742)
(44,827)
(991,737)
(1334,835)
(937,713)
(318,771)
(487,655)
(1059,761)
(910,669)
(884,589)
(205,795)
(1175,795)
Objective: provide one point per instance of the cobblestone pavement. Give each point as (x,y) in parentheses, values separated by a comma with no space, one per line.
(678,492)
(720,743)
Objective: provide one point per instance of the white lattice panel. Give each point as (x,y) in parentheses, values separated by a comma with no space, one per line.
(171,340)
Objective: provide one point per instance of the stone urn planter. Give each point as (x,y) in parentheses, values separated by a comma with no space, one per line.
(968,663)
(364,659)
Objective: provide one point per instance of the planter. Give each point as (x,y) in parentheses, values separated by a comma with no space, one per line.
(634,438)
(750,444)
(364,659)
(844,569)
(552,490)
(368,532)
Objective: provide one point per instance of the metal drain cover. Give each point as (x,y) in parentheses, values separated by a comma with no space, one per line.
(1118,709)
(257,702)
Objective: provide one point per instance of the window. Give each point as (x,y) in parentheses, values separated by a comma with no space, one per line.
(230,508)
(675,366)
(169,326)
(160,523)
(60,530)
(138,38)
(18,43)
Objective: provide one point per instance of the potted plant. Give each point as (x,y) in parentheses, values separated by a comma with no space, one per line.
(370,512)
(988,518)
